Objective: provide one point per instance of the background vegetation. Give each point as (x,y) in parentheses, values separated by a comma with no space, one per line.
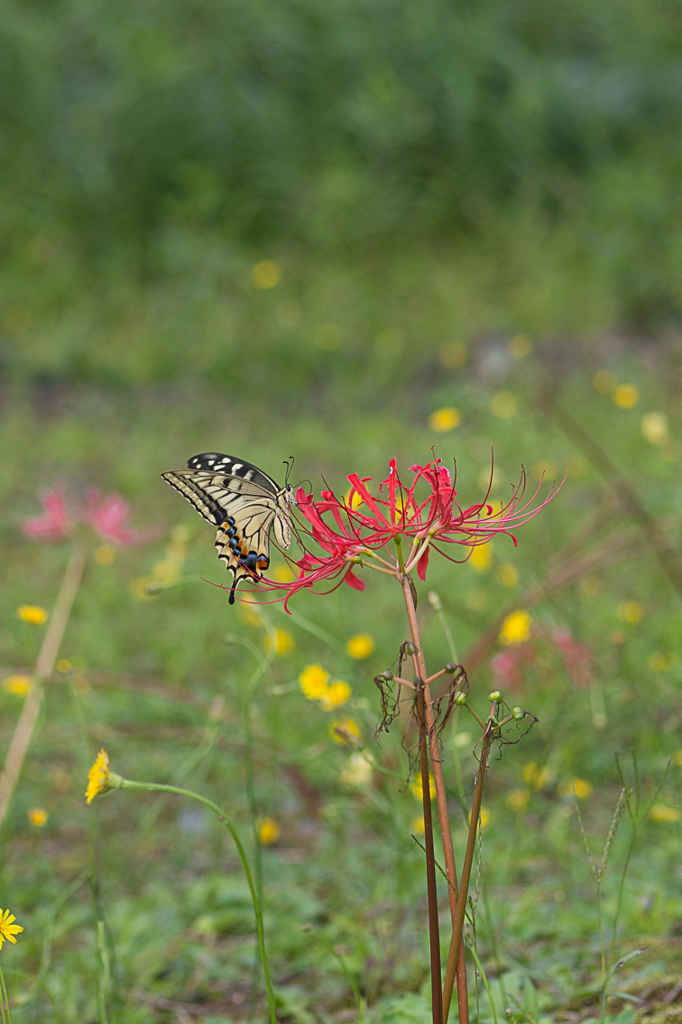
(304,229)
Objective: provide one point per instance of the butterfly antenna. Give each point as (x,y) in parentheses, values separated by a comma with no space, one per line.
(289,463)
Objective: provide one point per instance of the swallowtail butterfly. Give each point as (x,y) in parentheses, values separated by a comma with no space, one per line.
(244,503)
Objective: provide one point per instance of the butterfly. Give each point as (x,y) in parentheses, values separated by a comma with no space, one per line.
(244,503)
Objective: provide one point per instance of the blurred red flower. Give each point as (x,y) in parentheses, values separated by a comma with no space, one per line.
(106,516)
(55,522)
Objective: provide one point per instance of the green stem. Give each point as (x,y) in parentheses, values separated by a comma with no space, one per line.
(603,957)
(104,975)
(220,814)
(472,949)
(4,1002)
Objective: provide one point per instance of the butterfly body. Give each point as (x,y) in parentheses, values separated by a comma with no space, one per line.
(244,503)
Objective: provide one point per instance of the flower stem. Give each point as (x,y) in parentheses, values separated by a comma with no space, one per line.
(456,944)
(23,732)
(220,814)
(432,889)
(441,798)
(4,1002)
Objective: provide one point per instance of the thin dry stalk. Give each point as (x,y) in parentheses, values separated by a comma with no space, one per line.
(441,796)
(456,944)
(23,731)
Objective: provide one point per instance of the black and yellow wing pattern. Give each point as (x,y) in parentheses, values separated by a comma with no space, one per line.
(244,503)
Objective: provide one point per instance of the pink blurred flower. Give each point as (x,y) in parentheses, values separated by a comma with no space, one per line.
(577,657)
(360,530)
(508,666)
(107,517)
(55,522)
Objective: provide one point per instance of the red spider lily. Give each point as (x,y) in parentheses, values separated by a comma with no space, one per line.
(351,532)
(106,516)
(55,523)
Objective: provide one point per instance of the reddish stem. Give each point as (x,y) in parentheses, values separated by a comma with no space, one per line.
(432,889)
(441,795)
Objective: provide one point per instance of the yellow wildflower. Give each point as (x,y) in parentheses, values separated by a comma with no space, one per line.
(166,571)
(416,788)
(7,927)
(604,382)
(660,662)
(518,799)
(678,757)
(654,427)
(313,681)
(481,557)
(504,405)
(485,818)
(32,613)
(445,419)
(453,355)
(539,777)
(544,468)
(515,628)
(352,499)
(631,612)
(268,831)
(417,826)
(337,694)
(626,396)
(105,554)
(284,573)
(360,646)
(508,575)
(661,812)
(520,346)
(266,274)
(38,816)
(98,777)
(139,588)
(18,686)
(581,787)
(63,666)
(345,730)
(284,642)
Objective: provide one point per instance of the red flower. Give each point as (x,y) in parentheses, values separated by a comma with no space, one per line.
(106,516)
(370,530)
(54,524)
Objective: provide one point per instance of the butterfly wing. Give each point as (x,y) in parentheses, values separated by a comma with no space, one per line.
(243,502)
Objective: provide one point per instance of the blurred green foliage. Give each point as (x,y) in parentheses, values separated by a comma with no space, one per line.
(543,139)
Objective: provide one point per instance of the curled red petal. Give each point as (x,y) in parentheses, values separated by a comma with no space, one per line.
(354,581)
(423,564)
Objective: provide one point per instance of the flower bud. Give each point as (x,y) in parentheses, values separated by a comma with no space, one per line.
(410,648)
(494,722)
(518,713)
(388,676)
(494,696)
(461,698)
(451,667)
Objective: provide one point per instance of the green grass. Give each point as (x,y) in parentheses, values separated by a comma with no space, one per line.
(178,921)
